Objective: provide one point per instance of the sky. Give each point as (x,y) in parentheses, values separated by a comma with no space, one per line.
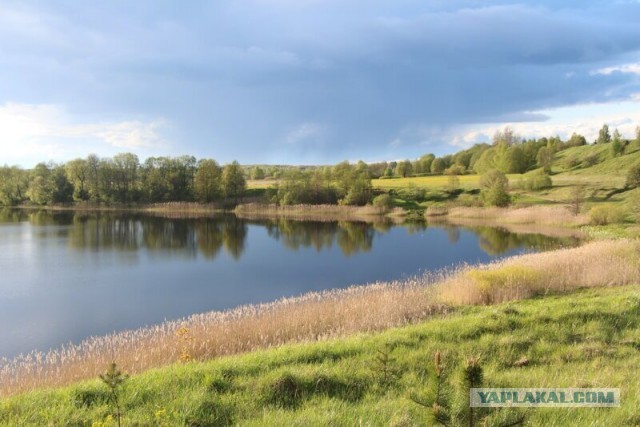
(309,81)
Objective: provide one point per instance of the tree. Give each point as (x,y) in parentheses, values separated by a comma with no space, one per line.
(544,159)
(616,144)
(208,181)
(438,166)
(93,177)
(257,173)
(14,183)
(423,165)
(114,379)
(125,177)
(78,173)
(604,137)
(49,184)
(404,169)
(493,188)
(576,140)
(507,137)
(576,198)
(486,161)
(233,181)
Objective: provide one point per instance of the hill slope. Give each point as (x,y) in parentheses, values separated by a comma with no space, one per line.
(585,339)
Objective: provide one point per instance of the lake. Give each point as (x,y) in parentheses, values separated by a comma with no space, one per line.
(65,276)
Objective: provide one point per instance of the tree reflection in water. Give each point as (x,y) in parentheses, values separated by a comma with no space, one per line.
(189,237)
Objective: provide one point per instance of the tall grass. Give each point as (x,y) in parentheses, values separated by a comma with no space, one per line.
(317,316)
(544,215)
(601,263)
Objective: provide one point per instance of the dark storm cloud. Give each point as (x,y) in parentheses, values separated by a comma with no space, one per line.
(317,81)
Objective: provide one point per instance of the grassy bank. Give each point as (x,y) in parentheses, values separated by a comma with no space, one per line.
(589,338)
(319,316)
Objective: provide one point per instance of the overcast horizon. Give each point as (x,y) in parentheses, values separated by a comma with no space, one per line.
(309,81)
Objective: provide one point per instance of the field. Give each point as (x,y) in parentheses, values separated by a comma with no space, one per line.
(589,338)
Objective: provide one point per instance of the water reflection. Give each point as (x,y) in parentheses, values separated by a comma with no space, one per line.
(188,237)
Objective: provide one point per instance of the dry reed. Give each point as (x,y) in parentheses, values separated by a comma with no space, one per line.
(544,215)
(317,316)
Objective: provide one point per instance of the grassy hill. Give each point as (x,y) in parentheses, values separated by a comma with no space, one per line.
(589,338)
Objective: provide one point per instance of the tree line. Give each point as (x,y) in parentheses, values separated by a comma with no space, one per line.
(122,179)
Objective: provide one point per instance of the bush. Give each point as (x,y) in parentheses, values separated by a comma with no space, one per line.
(537,181)
(384,202)
(633,177)
(494,188)
(607,214)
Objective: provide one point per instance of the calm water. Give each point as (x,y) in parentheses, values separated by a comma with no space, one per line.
(66,276)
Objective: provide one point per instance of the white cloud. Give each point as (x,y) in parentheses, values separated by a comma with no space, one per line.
(305,132)
(624,69)
(585,120)
(38,132)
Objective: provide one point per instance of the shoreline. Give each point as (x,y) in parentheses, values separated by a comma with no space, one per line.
(330,314)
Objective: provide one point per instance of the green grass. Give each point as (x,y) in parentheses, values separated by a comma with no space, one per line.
(585,339)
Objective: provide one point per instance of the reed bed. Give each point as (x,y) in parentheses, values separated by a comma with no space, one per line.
(544,215)
(322,315)
(310,317)
(599,263)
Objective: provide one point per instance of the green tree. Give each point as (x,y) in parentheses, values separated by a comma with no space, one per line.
(14,183)
(486,161)
(49,184)
(233,181)
(78,173)
(616,144)
(438,166)
(93,177)
(114,379)
(257,173)
(604,137)
(423,165)
(506,136)
(208,181)
(576,140)
(125,168)
(404,169)
(544,159)
(493,188)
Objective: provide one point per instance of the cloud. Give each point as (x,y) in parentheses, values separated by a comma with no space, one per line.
(624,69)
(312,80)
(39,132)
(585,120)
(305,133)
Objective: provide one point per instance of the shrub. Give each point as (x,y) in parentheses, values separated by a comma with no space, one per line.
(384,202)
(606,214)
(536,181)
(633,177)
(494,188)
